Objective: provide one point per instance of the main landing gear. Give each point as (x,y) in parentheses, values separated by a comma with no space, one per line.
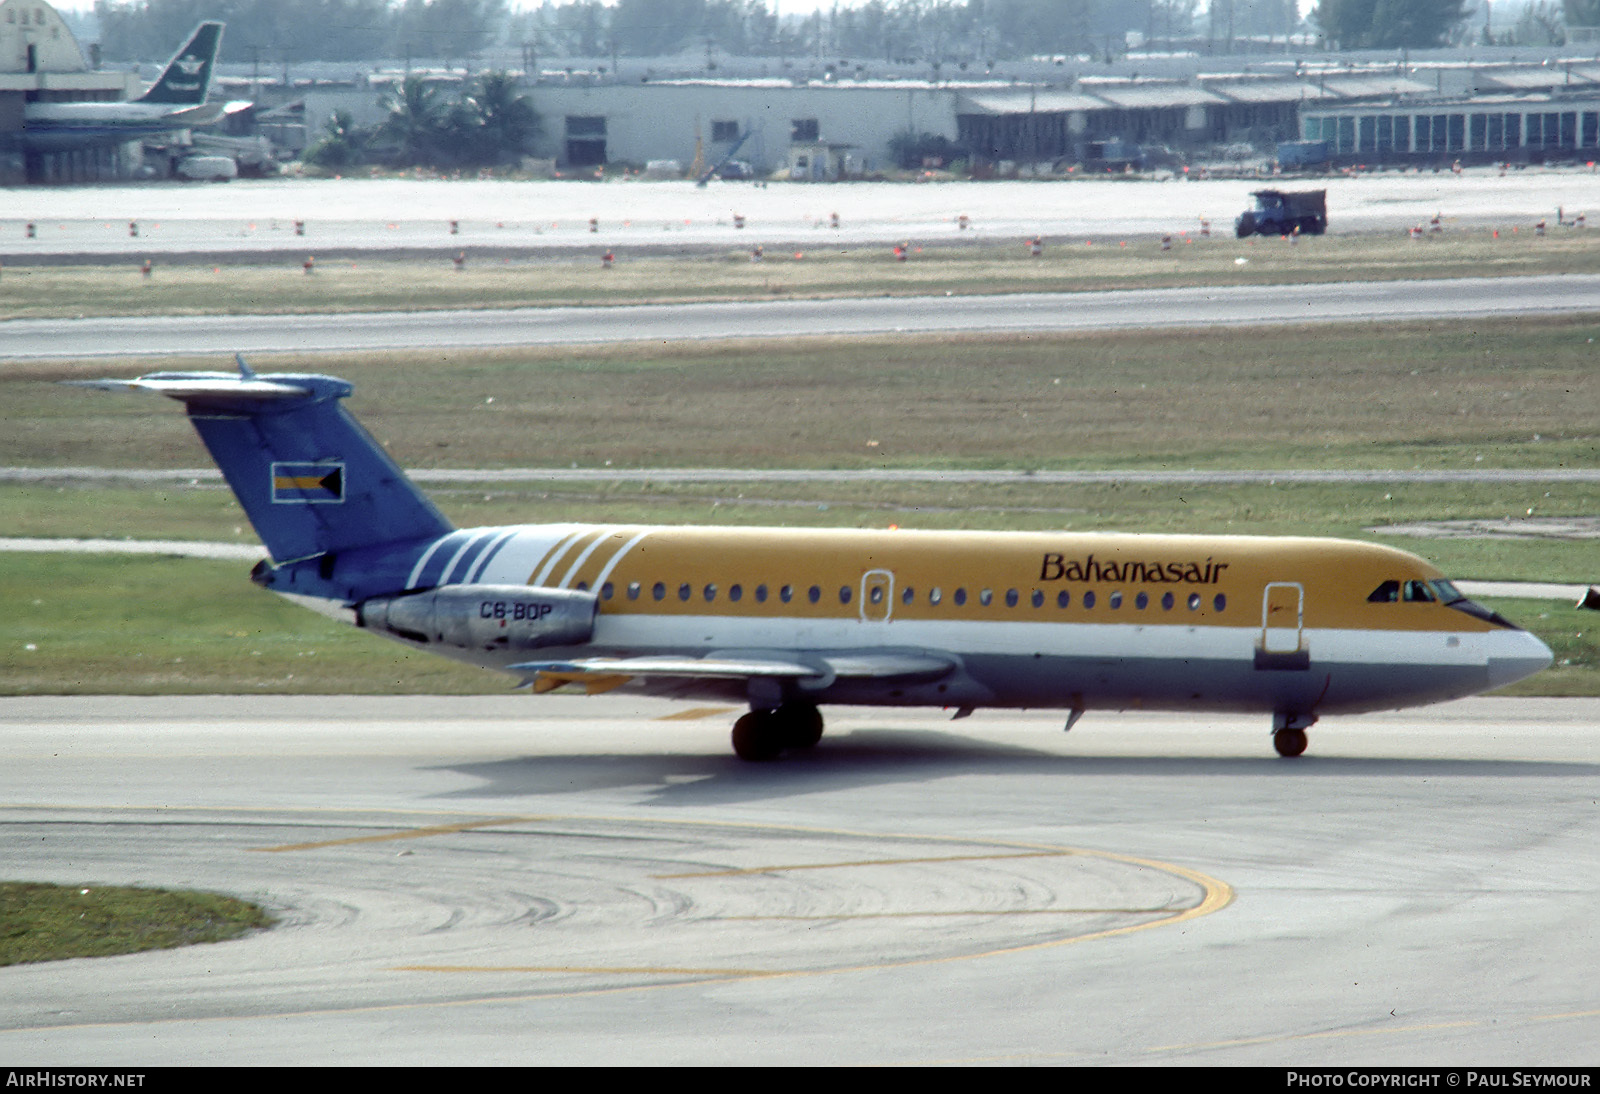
(1289,732)
(762,734)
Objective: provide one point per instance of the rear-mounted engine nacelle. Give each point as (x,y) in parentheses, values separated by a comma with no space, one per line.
(485,617)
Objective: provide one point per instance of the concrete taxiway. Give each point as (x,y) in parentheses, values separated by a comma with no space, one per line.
(571,880)
(1209,306)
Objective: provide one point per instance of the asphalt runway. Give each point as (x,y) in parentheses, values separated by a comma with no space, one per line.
(1239,305)
(569,880)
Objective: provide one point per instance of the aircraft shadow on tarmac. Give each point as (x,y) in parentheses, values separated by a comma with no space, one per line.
(866,758)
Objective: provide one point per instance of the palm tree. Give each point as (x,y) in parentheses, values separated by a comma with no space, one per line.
(343,143)
(507,120)
(416,120)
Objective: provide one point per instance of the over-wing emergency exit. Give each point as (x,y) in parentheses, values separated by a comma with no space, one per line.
(788,620)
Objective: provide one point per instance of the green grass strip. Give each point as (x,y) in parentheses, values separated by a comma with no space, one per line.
(40,922)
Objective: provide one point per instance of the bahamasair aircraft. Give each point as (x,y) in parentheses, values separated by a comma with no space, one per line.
(177,100)
(788,620)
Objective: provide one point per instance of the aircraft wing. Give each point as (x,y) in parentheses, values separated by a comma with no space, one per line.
(204,114)
(604,673)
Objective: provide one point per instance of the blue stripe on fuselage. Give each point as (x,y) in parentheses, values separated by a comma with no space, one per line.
(443,552)
(468,555)
(488,556)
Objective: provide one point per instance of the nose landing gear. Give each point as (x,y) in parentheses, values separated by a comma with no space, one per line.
(1289,732)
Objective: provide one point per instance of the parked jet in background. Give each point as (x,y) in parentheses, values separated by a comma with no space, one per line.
(177,100)
(789,619)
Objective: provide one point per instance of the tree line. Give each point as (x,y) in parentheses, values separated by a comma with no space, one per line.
(963,32)
(273,32)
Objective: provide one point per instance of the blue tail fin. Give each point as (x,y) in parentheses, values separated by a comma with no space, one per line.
(311,480)
(187,78)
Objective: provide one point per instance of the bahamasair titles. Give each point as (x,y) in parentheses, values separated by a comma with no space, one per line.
(788,621)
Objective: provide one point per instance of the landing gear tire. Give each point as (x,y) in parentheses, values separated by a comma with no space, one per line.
(802,725)
(758,736)
(1289,742)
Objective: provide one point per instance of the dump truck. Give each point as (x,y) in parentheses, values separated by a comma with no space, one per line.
(1282,212)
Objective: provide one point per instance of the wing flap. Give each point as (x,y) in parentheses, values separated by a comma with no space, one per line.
(888,666)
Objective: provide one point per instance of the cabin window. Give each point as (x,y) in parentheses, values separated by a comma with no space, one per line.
(844,594)
(1142,601)
(786,593)
(908,595)
(1088,599)
(1038,598)
(961,597)
(761,594)
(1063,599)
(814,594)
(1012,597)
(1116,600)
(986,597)
(659,591)
(685,591)
(606,591)
(876,596)
(583,586)
(1194,602)
(710,593)
(935,595)
(1387,593)
(1167,601)
(1219,603)
(735,592)
(1418,592)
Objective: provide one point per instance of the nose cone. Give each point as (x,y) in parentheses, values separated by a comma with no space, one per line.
(1516,656)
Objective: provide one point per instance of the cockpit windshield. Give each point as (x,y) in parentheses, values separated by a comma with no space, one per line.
(1436,591)
(1412,592)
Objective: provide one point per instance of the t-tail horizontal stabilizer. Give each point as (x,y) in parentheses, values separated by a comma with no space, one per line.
(310,478)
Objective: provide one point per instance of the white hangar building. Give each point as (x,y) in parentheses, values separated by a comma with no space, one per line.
(40,62)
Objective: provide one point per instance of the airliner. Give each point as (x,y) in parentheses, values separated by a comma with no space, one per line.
(789,620)
(177,100)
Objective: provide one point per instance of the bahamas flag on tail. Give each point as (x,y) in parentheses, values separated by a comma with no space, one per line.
(312,481)
(307,482)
